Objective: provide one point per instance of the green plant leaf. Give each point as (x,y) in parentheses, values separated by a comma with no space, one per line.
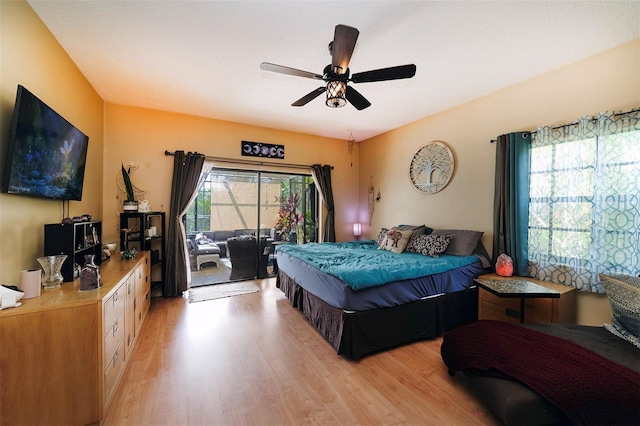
(127,184)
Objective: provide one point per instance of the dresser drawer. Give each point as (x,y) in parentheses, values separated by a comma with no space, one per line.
(113,308)
(538,310)
(112,339)
(497,308)
(488,297)
(113,368)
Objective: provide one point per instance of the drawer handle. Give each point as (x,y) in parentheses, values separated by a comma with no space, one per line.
(115,299)
(115,359)
(115,328)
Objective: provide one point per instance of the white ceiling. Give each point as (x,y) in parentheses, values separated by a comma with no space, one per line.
(202,57)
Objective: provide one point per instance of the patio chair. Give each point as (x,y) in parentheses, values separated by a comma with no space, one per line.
(243,255)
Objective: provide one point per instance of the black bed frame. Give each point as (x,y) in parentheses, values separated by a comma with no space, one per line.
(356,334)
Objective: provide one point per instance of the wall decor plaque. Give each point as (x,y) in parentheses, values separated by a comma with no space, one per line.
(259,149)
(431,167)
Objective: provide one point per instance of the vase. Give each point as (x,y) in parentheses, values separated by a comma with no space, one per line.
(90,274)
(51,265)
(130,205)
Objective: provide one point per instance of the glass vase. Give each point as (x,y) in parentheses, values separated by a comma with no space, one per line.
(51,265)
(90,274)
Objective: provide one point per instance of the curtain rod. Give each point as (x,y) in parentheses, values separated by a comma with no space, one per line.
(251,162)
(576,122)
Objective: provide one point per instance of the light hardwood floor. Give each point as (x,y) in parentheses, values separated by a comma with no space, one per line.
(254,360)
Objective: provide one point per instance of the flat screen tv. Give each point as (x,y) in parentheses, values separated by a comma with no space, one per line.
(46,154)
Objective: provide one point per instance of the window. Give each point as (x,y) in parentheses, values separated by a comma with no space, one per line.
(198,216)
(584,201)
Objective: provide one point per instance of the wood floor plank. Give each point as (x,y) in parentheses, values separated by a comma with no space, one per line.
(254,360)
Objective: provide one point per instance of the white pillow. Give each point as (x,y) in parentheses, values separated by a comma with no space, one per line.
(395,241)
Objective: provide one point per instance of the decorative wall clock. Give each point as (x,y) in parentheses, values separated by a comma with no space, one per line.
(431,167)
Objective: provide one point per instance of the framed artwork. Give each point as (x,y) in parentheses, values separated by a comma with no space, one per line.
(259,149)
(431,167)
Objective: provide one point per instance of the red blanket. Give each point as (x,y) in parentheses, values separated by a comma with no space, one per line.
(587,387)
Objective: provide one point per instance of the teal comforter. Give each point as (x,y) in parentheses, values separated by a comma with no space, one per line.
(360,264)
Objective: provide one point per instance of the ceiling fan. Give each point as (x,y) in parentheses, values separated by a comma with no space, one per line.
(336,74)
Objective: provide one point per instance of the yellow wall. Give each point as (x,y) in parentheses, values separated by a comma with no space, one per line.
(141,136)
(607,81)
(30,55)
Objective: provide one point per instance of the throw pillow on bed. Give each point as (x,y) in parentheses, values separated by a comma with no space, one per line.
(428,245)
(415,229)
(381,235)
(463,241)
(395,241)
(623,292)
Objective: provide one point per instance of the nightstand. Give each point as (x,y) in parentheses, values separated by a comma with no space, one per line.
(522,299)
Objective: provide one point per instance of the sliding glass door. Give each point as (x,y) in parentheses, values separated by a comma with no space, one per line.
(274,206)
(289,206)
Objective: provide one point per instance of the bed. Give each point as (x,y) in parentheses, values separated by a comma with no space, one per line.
(364,299)
(541,374)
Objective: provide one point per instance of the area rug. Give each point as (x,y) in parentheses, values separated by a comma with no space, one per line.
(210,275)
(219,291)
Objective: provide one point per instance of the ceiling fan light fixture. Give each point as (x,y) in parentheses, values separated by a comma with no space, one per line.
(336,94)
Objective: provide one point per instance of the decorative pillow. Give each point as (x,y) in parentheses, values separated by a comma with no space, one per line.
(623,292)
(204,240)
(395,241)
(416,229)
(381,236)
(463,242)
(428,245)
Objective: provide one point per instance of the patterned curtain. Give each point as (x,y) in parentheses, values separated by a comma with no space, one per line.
(584,208)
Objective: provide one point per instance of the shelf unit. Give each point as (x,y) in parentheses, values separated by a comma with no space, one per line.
(136,232)
(75,240)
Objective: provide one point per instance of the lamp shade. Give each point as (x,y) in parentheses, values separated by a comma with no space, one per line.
(336,92)
(357,229)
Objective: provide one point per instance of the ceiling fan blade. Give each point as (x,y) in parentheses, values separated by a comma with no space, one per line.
(309,97)
(392,73)
(356,99)
(344,41)
(289,71)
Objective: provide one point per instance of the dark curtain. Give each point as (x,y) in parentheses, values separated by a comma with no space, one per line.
(322,177)
(511,200)
(186,174)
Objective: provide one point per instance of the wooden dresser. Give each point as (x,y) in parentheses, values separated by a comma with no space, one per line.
(561,309)
(62,354)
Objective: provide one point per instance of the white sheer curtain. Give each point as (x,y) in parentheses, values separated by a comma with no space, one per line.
(206,169)
(584,211)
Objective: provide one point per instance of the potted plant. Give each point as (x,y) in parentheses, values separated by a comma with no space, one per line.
(288,217)
(130,204)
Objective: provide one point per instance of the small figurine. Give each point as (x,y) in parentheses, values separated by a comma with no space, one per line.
(129,254)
